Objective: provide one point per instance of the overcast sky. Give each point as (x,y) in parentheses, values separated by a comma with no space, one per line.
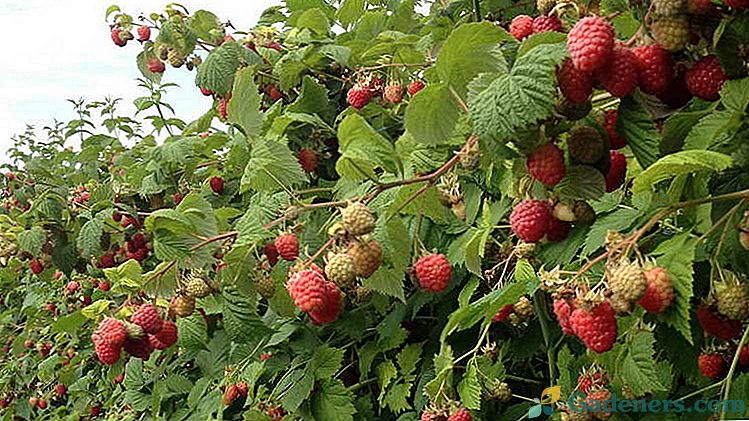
(54,50)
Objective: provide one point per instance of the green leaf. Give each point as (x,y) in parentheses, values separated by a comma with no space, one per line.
(397,397)
(677,256)
(363,150)
(193,332)
(294,388)
(636,125)
(619,220)
(680,163)
(350,11)
(408,358)
(432,114)
(32,240)
(469,388)
(582,182)
(518,100)
(333,402)
(471,49)
(244,105)
(386,373)
(96,309)
(550,37)
(272,167)
(243,325)
(326,361)
(638,365)
(737,396)
(204,23)
(313,99)
(712,128)
(735,94)
(314,20)
(482,309)
(387,281)
(677,127)
(217,71)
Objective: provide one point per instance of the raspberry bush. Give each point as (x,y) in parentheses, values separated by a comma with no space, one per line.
(389,216)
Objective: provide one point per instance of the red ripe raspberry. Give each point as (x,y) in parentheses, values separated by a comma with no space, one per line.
(275,93)
(95,411)
(461,415)
(547,24)
(588,381)
(563,310)
(167,335)
(359,96)
(617,172)
(103,286)
(206,92)
(223,108)
(521,27)
(596,328)
(616,141)
(712,365)
(217,185)
(117,37)
(434,272)
(36,267)
(431,416)
(60,389)
(503,313)
(331,308)
(393,94)
(139,348)
(557,230)
(308,159)
(738,4)
(714,325)
(590,43)
(308,290)
(231,394)
(619,74)
(546,164)
(376,85)
(287,246)
(139,240)
(530,220)
(178,198)
(156,66)
(660,292)
(144,33)
(106,353)
(148,318)
(655,66)
(119,379)
(575,85)
(112,331)
(415,87)
(42,404)
(271,253)
(73,287)
(744,356)
(705,78)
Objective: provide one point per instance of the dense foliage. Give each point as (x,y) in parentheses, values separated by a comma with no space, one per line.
(389,216)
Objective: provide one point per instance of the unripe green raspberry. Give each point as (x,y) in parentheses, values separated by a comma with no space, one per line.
(671,33)
(197,286)
(357,219)
(340,269)
(266,287)
(667,8)
(732,300)
(545,6)
(175,58)
(626,280)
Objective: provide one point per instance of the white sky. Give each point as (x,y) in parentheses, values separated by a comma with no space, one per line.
(54,50)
